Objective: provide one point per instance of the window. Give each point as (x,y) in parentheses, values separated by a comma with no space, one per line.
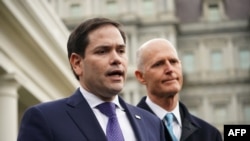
(213,12)
(75,10)
(188,62)
(163,4)
(111,7)
(216,61)
(148,7)
(220,114)
(246,112)
(244,59)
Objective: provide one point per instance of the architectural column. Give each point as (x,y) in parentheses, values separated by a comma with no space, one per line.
(126,96)
(134,45)
(230,59)
(136,96)
(233,107)
(203,61)
(171,6)
(206,114)
(8,108)
(88,9)
(172,36)
(167,10)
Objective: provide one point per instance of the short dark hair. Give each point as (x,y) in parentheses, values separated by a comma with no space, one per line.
(79,39)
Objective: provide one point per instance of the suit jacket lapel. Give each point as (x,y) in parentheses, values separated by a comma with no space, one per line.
(135,120)
(188,125)
(82,115)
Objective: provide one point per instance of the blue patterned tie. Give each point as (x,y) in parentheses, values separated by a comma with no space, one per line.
(113,130)
(170,118)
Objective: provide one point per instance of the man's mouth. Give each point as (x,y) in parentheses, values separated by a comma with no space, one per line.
(168,80)
(116,73)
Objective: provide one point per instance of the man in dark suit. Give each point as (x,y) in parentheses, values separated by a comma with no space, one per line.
(159,69)
(97,54)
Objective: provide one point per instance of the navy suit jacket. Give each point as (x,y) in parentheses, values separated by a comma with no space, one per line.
(193,128)
(72,119)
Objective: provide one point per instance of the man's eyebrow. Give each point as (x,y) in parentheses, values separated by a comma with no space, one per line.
(107,45)
(122,45)
(102,46)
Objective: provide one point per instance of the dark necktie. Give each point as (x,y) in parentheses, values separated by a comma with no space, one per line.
(170,118)
(113,130)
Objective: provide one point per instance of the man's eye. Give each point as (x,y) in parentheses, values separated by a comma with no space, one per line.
(173,61)
(121,51)
(101,51)
(158,64)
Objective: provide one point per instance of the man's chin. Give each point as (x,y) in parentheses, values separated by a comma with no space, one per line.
(173,92)
(116,90)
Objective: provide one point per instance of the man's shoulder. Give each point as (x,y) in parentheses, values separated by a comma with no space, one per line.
(52,105)
(202,123)
(58,103)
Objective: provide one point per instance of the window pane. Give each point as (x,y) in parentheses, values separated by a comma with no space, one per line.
(244,59)
(247,113)
(112,7)
(75,10)
(213,12)
(148,7)
(188,62)
(216,62)
(220,114)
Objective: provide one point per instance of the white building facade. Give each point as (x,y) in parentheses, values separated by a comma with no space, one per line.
(212,38)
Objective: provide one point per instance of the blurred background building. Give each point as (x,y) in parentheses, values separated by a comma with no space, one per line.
(212,38)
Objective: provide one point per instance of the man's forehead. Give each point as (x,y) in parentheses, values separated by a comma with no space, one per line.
(157,41)
(156,45)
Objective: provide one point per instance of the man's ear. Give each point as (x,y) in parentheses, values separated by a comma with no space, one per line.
(75,62)
(139,76)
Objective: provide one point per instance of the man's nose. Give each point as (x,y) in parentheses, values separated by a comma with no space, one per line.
(115,58)
(168,67)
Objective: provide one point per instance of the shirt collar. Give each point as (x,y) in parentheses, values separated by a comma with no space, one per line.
(160,112)
(94,101)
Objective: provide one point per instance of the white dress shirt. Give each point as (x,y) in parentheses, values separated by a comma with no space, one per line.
(160,112)
(93,101)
